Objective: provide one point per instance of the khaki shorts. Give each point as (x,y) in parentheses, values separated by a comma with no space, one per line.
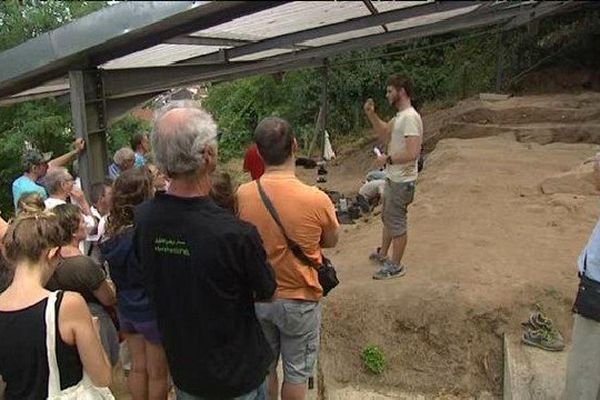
(292,328)
(396,198)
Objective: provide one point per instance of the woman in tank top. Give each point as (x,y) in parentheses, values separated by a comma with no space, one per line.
(31,246)
(82,274)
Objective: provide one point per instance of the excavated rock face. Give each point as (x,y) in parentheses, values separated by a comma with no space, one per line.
(501,212)
(579,180)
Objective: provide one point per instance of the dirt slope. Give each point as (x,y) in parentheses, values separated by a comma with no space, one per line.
(486,244)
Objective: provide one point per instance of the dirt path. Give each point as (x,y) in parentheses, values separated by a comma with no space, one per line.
(485,246)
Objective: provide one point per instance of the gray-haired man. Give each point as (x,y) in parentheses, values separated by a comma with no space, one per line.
(204,269)
(123,160)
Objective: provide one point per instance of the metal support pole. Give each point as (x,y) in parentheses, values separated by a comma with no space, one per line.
(88,113)
(500,62)
(324,103)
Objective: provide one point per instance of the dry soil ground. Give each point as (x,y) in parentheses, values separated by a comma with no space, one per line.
(486,245)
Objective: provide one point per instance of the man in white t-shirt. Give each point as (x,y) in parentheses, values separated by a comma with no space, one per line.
(403,135)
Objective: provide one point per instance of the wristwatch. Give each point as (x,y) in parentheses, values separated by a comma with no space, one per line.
(389,160)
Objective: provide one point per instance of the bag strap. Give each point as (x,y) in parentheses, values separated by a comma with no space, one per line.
(292,245)
(51,318)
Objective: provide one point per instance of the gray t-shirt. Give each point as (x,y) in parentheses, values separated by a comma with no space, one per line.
(79,274)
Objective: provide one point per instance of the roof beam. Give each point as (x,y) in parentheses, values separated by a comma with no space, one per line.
(484,16)
(138,80)
(539,11)
(373,10)
(109,33)
(123,83)
(127,82)
(206,41)
(290,39)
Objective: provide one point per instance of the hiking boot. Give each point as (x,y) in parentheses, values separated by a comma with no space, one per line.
(538,321)
(376,257)
(543,339)
(389,271)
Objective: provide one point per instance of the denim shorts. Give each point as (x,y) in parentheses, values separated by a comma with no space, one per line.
(260,393)
(292,328)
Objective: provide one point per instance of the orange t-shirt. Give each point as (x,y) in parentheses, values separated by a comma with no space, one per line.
(305,212)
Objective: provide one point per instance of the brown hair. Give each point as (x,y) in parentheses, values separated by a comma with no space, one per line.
(274,138)
(401,82)
(30,235)
(222,191)
(131,188)
(30,202)
(69,217)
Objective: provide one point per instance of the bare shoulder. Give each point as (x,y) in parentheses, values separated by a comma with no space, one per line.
(73,304)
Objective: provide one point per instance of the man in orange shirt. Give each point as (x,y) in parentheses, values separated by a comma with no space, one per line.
(291,322)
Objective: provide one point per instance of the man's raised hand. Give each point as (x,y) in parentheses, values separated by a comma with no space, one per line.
(369,106)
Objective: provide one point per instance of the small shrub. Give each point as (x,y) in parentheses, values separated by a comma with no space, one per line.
(374,359)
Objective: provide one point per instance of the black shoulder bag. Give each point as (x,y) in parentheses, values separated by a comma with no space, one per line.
(327,276)
(587,302)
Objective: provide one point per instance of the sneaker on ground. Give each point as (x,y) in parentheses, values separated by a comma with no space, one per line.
(539,321)
(543,339)
(389,271)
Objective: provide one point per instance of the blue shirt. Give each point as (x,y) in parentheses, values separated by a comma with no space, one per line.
(140,160)
(592,249)
(23,185)
(114,171)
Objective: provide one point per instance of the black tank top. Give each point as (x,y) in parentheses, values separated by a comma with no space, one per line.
(23,357)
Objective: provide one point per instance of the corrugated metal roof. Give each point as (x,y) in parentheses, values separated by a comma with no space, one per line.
(288,18)
(430,18)
(160,55)
(271,23)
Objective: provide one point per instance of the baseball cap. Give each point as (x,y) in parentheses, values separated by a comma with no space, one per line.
(33,157)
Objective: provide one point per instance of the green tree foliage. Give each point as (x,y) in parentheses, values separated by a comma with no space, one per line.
(46,124)
(444,69)
(119,133)
(22,20)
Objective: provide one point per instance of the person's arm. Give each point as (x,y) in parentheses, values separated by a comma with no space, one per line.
(65,159)
(105,293)
(328,220)
(77,327)
(411,151)
(382,129)
(79,198)
(93,278)
(330,238)
(259,272)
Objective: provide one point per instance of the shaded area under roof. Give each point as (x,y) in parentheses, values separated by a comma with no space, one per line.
(147,47)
